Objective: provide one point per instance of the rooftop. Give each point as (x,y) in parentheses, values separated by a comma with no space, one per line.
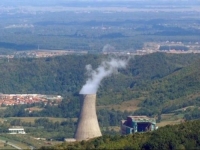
(142,118)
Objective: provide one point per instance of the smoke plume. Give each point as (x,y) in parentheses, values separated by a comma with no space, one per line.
(95,77)
(108,48)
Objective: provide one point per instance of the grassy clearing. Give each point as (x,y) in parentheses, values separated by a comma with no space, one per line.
(32,119)
(170,119)
(115,128)
(2,120)
(3,146)
(35,109)
(7,147)
(167,116)
(185,108)
(2,108)
(131,105)
(19,144)
(164,123)
(24,141)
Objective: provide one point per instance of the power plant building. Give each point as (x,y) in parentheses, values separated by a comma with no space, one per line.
(135,124)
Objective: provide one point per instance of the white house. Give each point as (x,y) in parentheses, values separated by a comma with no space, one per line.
(16,130)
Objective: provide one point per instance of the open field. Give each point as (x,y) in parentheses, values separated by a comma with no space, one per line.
(35,109)
(3,146)
(115,128)
(167,116)
(164,123)
(170,119)
(19,144)
(130,105)
(2,108)
(24,141)
(7,147)
(127,105)
(32,119)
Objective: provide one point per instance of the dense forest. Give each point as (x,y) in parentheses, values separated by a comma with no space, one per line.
(182,136)
(161,82)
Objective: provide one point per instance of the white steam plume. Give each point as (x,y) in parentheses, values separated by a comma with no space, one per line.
(95,76)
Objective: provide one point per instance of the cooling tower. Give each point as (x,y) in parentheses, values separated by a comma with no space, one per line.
(88,126)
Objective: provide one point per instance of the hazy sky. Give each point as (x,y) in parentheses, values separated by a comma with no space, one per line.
(93,2)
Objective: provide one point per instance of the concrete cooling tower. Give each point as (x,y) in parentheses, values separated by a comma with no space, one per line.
(88,126)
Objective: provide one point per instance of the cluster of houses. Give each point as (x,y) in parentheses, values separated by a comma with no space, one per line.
(17,99)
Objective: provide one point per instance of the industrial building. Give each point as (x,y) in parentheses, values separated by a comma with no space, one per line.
(88,126)
(135,124)
(16,130)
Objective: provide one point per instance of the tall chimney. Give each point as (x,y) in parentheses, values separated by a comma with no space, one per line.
(88,126)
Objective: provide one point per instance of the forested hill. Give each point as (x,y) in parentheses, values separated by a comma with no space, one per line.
(182,136)
(161,82)
(66,74)
(56,75)
(177,90)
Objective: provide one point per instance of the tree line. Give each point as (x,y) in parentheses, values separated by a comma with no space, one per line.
(182,136)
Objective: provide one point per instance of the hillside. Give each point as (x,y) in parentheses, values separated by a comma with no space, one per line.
(151,85)
(156,83)
(59,75)
(66,74)
(182,136)
(178,90)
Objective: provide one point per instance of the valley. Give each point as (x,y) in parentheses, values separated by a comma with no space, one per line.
(131,58)
(139,89)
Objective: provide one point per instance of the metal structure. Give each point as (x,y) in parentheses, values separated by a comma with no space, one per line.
(135,124)
(88,126)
